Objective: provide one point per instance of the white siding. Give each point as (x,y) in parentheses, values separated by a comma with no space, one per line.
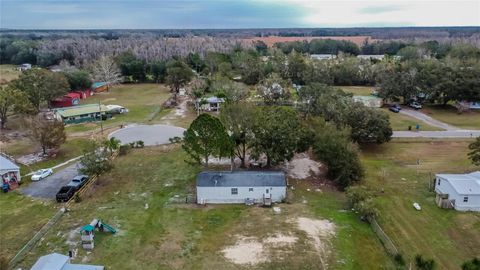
(442,186)
(224,194)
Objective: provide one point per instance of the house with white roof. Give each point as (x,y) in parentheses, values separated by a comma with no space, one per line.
(55,261)
(458,191)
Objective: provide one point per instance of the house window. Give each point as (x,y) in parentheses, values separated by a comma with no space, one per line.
(465,199)
(250,189)
(234,191)
(438,181)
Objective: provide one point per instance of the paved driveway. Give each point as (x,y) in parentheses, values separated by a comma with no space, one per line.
(48,187)
(427,119)
(149,134)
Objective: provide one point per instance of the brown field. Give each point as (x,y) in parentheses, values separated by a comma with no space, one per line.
(271,40)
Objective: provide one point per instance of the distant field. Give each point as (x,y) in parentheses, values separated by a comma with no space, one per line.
(271,40)
(449,115)
(447,236)
(8,73)
(175,235)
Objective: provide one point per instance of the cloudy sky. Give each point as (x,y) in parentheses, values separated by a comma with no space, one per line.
(157,14)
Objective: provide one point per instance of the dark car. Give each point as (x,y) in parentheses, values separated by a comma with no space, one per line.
(78,181)
(65,194)
(395,108)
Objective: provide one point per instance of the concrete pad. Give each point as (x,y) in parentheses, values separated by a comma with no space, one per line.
(149,134)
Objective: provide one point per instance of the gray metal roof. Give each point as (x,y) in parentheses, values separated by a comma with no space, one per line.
(7,164)
(55,261)
(241,179)
(466,184)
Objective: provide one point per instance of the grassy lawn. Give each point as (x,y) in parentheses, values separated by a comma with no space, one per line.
(142,100)
(20,218)
(169,235)
(357,90)
(8,73)
(449,115)
(447,236)
(401,122)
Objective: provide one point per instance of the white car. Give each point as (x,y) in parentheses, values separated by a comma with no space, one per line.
(40,174)
(415,105)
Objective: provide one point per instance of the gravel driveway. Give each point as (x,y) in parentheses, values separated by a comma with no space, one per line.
(427,119)
(149,134)
(437,134)
(48,187)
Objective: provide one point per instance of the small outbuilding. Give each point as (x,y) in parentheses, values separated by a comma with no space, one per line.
(98,87)
(369,101)
(458,191)
(83,113)
(10,173)
(55,261)
(210,104)
(222,187)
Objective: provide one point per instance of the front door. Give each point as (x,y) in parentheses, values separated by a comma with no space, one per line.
(267,193)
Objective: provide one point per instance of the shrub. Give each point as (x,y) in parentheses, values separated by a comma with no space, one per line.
(124,149)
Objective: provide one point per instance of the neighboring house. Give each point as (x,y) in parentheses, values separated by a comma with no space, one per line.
(465,105)
(24,67)
(369,101)
(83,113)
(98,87)
(55,261)
(458,191)
(322,56)
(10,173)
(241,187)
(210,104)
(68,100)
(55,68)
(371,56)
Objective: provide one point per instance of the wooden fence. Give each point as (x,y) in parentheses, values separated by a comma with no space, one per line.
(386,241)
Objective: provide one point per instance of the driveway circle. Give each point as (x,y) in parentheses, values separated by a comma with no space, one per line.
(149,134)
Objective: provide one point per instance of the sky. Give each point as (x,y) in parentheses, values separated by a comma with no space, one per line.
(210,14)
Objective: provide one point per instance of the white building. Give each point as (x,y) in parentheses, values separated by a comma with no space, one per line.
(55,261)
(371,56)
(458,191)
(322,56)
(9,172)
(241,187)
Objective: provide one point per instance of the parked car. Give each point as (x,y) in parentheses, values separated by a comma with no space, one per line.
(65,193)
(415,105)
(78,181)
(395,108)
(40,174)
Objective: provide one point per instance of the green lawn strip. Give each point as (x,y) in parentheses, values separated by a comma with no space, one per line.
(436,233)
(20,218)
(357,90)
(450,115)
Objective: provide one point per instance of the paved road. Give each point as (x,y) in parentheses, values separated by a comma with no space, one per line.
(427,119)
(437,134)
(48,187)
(149,134)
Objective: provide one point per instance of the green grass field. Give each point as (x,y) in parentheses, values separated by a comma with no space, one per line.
(401,122)
(447,236)
(171,235)
(20,218)
(449,115)
(357,90)
(8,73)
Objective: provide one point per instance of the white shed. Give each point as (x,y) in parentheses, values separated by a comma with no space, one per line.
(241,187)
(458,191)
(9,172)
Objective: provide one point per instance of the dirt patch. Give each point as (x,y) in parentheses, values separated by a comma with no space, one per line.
(247,250)
(281,239)
(303,167)
(319,231)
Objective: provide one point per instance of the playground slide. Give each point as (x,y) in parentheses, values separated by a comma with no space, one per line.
(109,228)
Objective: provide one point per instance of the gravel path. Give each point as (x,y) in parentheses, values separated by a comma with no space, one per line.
(149,134)
(48,187)
(427,119)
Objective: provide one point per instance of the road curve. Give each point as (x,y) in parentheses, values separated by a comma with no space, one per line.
(149,134)
(427,119)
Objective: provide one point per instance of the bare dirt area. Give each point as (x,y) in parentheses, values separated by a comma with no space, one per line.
(271,40)
(303,167)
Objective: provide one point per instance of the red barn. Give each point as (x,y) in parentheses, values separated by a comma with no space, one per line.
(85,93)
(70,99)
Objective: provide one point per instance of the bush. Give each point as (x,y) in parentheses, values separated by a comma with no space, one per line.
(140,144)
(399,260)
(361,199)
(124,149)
(473,264)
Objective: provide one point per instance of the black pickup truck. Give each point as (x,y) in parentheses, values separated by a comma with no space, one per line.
(65,193)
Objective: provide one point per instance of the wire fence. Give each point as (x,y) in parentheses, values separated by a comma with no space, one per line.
(34,240)
(386,241)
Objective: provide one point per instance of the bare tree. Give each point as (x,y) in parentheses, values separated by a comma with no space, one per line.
(106,70)
(49,134)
